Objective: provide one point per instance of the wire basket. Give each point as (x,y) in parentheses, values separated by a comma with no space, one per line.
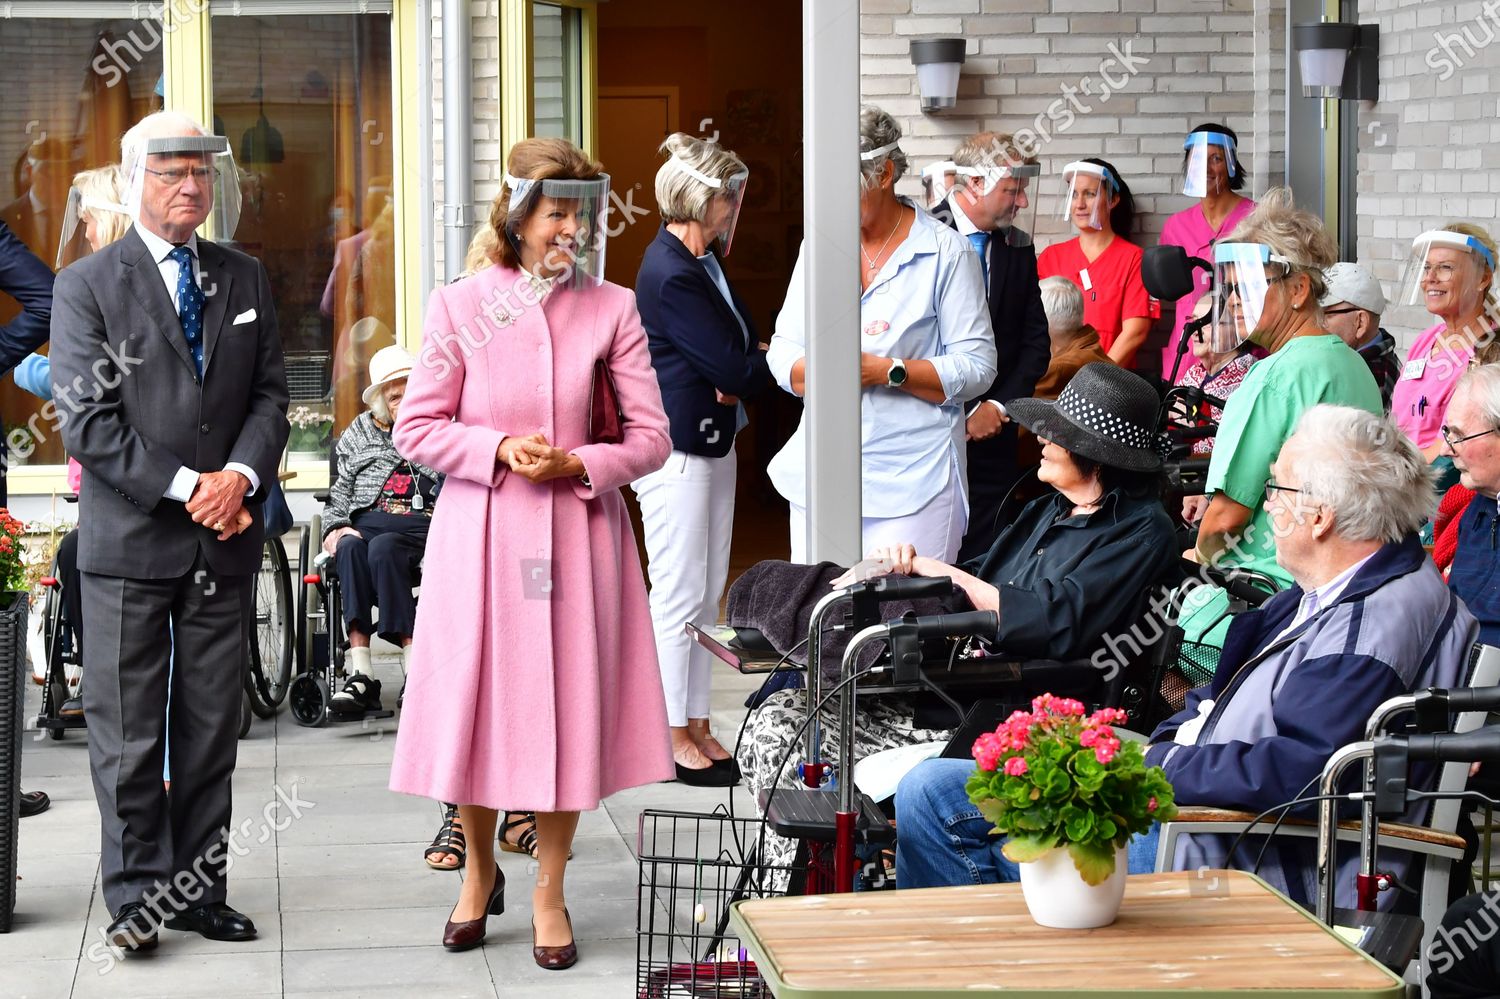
(693,867)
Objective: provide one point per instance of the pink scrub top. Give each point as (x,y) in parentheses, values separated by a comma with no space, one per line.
(1419,403)
(1190,230)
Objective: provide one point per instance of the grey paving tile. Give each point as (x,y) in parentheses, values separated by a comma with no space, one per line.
(40,867)
(38,979)
(48,923)
(419,971)
(368,860)
(601,963)
(347,929)
(181,975)
(388,891)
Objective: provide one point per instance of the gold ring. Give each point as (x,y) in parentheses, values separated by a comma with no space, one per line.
(219,526)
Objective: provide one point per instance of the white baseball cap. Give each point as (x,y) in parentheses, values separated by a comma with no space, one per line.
(388,365)
(1352,284)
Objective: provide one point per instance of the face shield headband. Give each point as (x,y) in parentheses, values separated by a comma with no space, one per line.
(72,243)
(218,173)
(1195,171)
(731,189)
(1243,275)
(1439,277)
(1107,189)
(577,217)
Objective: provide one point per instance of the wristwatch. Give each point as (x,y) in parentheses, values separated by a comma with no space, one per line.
(896,377)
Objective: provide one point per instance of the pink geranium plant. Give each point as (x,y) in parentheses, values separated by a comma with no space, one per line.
(1055,777)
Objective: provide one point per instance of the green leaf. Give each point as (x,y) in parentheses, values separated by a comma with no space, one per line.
(1024,849)
(1095,862)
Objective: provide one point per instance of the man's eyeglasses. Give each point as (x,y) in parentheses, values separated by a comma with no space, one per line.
(1340,312)
(175,176)
(1454,442)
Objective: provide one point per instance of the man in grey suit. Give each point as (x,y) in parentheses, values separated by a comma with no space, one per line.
(167,370)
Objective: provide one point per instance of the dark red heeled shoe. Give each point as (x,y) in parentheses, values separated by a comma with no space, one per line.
(470,933)
(555,958)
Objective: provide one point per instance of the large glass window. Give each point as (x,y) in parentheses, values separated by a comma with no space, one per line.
(305,100)
(71,86)
(557,44)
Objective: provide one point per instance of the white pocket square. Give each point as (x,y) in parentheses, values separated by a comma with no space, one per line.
(243,317)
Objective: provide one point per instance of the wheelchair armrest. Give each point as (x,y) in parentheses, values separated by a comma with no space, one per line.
(321,496)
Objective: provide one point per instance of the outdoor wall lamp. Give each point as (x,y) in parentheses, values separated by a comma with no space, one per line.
(937,61)
(1338,60)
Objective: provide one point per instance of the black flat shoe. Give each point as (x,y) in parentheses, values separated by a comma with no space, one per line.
(360,695)
(470,933)
(132,929)
(711,776)
(214,921)
(731,765)
(34,803)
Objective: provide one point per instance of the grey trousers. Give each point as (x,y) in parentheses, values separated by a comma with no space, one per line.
(150,837)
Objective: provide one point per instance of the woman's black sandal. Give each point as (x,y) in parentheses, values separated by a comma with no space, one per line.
(526,839)
(449,841)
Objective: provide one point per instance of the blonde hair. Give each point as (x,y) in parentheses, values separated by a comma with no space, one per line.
(103,184)
(1297,235)
(991,149)
(681,197)
(481,252)
(535,159)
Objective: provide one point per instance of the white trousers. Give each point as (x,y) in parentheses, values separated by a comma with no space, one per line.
(687,509)
(936,530)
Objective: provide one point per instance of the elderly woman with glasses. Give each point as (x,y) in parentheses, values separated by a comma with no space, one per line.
(927,348)
(1269,276)
(1451,272)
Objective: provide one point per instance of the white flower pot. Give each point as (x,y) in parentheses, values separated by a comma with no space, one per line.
(1058,896)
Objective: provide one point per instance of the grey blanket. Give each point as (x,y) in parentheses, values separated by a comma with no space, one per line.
(777,599)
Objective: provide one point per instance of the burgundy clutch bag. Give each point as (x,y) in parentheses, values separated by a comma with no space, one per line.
(605,418)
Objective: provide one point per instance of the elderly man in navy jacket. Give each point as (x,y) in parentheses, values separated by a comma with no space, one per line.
(1368,618)
(988,206)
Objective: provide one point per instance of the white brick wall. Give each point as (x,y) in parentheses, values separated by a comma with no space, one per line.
(1205,60)
(1429,147)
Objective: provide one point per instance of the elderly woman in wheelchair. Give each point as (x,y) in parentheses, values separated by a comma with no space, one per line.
(1074,564)
(375,528)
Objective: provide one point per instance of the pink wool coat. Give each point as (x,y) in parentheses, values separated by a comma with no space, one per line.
(534,682)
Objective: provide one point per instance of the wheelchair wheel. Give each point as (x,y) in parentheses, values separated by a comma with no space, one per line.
(311,625)
(247,712)
(57,643)
(309,699)
(271,642)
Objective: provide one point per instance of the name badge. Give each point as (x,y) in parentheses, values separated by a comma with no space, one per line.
(1414,368)
(877,327)
(1088,282)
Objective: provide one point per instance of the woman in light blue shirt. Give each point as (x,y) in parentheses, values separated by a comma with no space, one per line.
(927,347)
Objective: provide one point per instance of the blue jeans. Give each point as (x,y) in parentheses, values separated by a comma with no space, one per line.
(942,840)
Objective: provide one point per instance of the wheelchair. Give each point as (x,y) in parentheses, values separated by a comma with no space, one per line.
(269,642)
(322,636)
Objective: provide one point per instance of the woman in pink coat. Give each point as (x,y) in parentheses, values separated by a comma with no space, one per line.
(534,681)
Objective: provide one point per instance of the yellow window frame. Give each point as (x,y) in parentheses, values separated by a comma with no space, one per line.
(518,72)
(187,69)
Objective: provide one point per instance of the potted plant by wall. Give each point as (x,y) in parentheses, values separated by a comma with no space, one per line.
(311,431)
(19,444)
(13,606)
(1067,794)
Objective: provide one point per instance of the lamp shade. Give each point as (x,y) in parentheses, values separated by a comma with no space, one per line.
(1322,51)
(938,61)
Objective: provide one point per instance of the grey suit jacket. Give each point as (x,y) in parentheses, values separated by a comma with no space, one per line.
(132,409)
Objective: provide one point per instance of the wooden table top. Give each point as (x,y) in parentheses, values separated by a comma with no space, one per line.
(1178,933)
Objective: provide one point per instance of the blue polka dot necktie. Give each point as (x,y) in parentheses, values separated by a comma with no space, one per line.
(189,304)
(981,244)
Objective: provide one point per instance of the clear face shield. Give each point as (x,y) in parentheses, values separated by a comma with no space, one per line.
(1087,191)
(1209,166)
(73,242)
(1445,273)
(722,213)
(937,181)
(1243,275)
(1008,197)
(559,227)
(190,176)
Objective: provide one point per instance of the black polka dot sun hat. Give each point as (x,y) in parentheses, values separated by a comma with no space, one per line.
(1106,414)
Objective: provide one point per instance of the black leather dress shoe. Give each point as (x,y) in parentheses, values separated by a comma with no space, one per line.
(34,803)
(215,921)
(132,929)
(709,776)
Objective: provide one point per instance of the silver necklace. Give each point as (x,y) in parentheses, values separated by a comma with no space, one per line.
(871,264)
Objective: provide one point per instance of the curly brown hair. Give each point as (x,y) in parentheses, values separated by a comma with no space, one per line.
(536,159)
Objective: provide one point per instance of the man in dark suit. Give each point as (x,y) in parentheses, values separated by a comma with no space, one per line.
(29,281)
(994,188)
(36,217)
(167,366)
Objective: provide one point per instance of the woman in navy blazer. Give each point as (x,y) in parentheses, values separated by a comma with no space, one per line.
(707,358)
